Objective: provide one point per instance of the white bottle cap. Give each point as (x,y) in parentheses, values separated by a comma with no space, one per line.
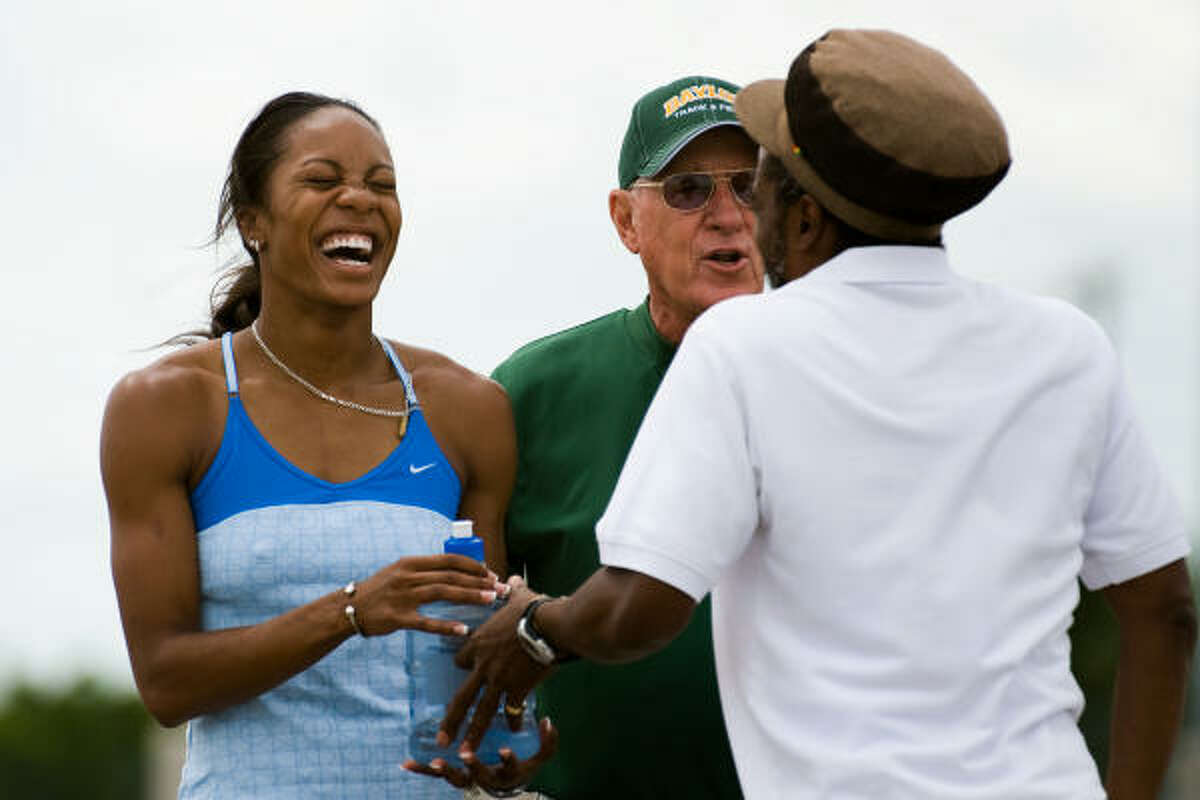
(462,529)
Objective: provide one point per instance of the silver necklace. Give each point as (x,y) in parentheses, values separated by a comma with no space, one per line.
(395,413)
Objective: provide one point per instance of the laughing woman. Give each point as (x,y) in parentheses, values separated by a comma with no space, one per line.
(276,490)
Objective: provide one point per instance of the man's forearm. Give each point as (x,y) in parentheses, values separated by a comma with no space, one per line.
(616,616)
(1157,642)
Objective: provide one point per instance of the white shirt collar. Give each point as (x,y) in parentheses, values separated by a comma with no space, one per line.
(885,264)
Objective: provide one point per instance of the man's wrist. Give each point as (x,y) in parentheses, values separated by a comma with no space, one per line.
(534,641)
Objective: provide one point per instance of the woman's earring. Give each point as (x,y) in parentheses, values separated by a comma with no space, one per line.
(253,244)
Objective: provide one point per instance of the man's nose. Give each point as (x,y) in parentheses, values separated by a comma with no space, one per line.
(724,209)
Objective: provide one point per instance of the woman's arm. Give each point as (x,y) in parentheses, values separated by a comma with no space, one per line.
(472,421)
(154,437)
(491,468)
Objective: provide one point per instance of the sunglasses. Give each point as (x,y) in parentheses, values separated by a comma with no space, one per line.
(691,191)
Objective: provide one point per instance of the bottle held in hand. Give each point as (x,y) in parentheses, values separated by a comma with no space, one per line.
(434,677)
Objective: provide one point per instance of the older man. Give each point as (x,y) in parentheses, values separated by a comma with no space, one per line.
(891,478)
(686,170)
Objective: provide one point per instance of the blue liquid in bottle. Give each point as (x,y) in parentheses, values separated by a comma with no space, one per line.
(434,677)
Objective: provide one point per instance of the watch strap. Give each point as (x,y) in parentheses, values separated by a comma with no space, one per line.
(528,613)
(531,626)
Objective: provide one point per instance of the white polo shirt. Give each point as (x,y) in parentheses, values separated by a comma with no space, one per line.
(890,477)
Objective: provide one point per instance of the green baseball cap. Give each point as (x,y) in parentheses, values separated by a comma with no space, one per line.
(665,119)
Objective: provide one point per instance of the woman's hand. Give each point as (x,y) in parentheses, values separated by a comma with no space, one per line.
(390,599)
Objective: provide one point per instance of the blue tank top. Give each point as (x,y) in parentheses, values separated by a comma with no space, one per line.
(272,537)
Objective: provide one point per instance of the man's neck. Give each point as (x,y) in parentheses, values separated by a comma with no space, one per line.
(669,321)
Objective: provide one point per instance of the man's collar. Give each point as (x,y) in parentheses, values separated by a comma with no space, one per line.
(885,264)
(642,331)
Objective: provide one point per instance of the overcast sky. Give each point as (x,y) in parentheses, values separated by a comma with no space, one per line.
(505,122)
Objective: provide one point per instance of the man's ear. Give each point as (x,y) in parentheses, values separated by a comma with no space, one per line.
(809,227)
(808,220)
(812,237)
(620,211)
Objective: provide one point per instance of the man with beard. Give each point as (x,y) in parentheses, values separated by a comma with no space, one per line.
(890,476)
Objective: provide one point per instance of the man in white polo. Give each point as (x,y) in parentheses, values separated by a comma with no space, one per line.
(890,477)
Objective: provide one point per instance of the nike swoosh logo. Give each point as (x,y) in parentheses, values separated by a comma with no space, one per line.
(415,470)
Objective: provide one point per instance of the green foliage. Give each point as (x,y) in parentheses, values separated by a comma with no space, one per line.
(82,741)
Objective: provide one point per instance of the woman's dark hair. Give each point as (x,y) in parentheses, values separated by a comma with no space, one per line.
(788,191)
(237,297)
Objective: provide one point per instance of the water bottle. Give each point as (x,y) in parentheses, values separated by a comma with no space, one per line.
(434,677)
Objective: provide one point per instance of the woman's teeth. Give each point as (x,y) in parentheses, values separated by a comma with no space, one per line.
(350,248)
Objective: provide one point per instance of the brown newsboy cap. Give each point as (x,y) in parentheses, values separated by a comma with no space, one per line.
(884,132)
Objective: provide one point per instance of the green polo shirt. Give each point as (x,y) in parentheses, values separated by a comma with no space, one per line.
(653,728)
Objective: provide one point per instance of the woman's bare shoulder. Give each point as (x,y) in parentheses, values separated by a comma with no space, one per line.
(179,377)
(431,367)
(177,402)
(433,371)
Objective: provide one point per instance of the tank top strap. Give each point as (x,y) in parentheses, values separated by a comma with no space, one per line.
(409,392)
(231,381)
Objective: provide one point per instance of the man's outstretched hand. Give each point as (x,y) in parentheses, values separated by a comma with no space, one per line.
(500,668)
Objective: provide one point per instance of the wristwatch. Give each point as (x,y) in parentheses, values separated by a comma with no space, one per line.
(533,642)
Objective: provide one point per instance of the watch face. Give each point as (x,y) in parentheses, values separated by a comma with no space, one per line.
(535,647)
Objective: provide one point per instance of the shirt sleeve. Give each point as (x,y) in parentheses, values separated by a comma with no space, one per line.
(686,502)
(1133,524)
